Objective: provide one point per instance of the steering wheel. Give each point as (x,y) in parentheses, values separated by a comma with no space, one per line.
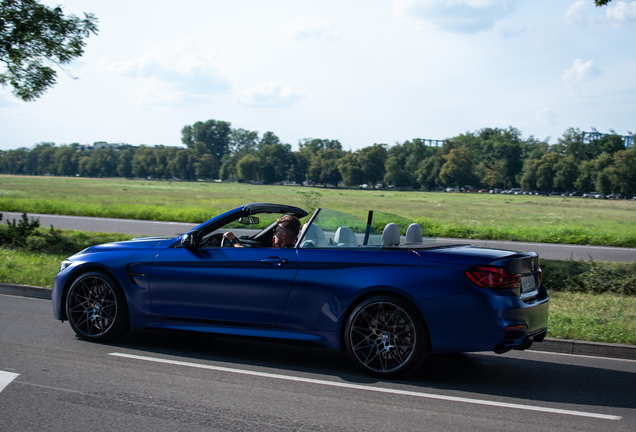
(225,242)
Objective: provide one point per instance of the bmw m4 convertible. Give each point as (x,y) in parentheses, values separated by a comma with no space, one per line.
(375,286)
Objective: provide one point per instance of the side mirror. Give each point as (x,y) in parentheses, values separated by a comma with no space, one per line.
(189,239)
(249,220)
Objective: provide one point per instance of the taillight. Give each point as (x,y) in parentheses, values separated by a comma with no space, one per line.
(493,277)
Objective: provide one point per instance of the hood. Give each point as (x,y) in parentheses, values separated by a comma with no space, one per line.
(136,243)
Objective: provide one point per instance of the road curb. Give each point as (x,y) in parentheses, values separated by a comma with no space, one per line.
(26,291)
(561,346)
(579,347)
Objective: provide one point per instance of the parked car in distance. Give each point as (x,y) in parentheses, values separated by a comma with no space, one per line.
(614,195)
(590,194)
(375,287)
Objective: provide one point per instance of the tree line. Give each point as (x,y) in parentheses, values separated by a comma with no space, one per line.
(487,158)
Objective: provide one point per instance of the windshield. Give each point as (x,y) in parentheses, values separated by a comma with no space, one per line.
(334,229)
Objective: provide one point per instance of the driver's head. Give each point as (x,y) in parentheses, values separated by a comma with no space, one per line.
(286,231)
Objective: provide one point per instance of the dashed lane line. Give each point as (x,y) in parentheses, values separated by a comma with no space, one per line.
(6,378)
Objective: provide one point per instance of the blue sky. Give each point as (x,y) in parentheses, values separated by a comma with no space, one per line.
(362,72)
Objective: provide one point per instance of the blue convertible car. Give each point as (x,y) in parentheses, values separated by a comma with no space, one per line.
(377,288)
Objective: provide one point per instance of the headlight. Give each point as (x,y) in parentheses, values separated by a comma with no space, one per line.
(65,264)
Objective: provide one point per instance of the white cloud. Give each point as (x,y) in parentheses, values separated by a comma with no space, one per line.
(180,73)
(618,14)
(546,116)
(299,29)
(457,16)
(579,74)
(270,95)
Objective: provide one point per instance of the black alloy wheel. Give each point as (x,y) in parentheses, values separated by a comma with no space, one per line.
(386,337)
(96,308)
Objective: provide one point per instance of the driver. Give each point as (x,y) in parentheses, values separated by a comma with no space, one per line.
(285,233)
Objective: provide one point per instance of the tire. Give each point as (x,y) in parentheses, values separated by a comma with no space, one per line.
(96,308)
(386,337)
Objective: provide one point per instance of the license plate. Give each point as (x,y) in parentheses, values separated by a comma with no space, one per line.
(528,284)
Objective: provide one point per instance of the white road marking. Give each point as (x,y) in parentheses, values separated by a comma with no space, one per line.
(372,388)
(580,355)
(6,378)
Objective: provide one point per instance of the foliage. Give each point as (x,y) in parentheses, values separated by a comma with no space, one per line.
(19,233)
(487,158)
(31,33)
(214,134)
(605,318)
(26,234)
(591,277)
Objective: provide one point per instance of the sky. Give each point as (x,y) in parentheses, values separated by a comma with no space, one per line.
(357,71)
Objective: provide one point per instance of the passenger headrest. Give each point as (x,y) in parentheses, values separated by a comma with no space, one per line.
(414,234)
(345,237)
(391,235)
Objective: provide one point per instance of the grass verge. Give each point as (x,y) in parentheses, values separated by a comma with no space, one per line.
(606,318)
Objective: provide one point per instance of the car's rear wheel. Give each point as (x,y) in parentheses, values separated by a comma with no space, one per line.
(386,337)
(96,308)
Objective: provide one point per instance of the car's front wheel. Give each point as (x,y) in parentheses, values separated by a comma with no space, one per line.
(386,337)
(96,308)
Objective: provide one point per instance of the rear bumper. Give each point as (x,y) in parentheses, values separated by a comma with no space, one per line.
(488,322)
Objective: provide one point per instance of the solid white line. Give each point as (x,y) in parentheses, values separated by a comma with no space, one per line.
(581,355)
(371,388)
(6,378)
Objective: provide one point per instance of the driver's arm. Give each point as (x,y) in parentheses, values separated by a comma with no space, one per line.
(232,239)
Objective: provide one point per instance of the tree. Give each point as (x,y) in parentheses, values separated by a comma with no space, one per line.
(546,171)
(350,170)
(206,167)
(275,161)
(214,133)
(248,168)
(124,168)
(428,171)
(457,171)
(324,167)
(31,33)
(625,171)
(396,174)
(268,139)
(64,163)
(573,143)
(372,160)
(243,141)
(318,144)
(567,172)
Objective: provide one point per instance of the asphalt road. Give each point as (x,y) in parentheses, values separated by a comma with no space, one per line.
(152,228)
(168,381)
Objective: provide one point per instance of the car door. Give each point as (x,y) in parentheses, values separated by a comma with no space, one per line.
(247,286)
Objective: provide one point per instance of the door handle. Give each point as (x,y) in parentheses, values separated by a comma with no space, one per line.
(275,260)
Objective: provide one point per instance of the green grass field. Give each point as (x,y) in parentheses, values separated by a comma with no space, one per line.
(479,216)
